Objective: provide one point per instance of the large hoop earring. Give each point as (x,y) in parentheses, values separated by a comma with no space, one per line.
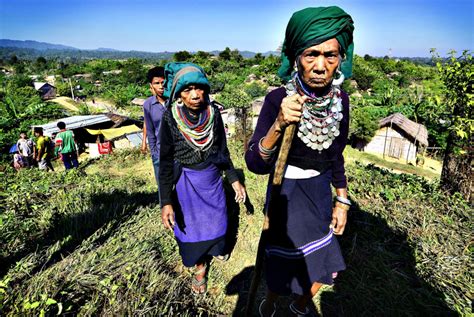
(179,102)
(338,79)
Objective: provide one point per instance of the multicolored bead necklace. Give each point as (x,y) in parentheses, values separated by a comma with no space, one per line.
(199,135)
(319,124)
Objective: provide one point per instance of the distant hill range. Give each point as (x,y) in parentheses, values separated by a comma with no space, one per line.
(33,49)
(41,46)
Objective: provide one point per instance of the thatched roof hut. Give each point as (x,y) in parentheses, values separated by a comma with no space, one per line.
(416,131)
(398,137)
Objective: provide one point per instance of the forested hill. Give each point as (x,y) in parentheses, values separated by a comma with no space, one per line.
(34,45)
(76,54)
(34,49)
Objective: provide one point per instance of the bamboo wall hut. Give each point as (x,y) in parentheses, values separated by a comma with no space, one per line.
(398,137)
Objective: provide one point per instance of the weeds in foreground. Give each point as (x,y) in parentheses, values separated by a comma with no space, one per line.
(90,242)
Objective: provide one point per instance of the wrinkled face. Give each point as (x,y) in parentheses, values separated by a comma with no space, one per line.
(157,86)
(193,97)
(318,63)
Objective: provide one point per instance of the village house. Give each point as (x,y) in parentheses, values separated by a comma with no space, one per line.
(84,77)
(92,132)
(398,137)
(46,90)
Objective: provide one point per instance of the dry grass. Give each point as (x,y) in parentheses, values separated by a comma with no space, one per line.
(103,250)
(430,170)
(67,103)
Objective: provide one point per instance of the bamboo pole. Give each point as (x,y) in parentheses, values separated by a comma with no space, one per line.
(276,184)
(72,90)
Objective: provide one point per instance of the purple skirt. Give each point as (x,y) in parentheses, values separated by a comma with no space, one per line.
(201,214)
(301,249)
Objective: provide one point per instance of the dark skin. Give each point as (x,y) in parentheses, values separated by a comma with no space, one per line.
(317,66)
(157,88)
(195,99)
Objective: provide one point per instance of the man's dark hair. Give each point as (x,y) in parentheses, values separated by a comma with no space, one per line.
(61,125)
(155,72)
(38,130)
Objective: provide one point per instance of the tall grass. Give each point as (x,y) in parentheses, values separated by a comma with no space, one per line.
(90,242)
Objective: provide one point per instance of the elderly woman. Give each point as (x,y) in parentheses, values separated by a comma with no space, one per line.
(301,251)
(193,154)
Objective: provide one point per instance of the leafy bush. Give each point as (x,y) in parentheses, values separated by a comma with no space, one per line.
(255,90)
(363,125)
(363,73)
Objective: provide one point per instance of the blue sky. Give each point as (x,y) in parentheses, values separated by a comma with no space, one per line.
(408,27)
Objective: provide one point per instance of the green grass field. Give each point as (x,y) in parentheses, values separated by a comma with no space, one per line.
(90,242)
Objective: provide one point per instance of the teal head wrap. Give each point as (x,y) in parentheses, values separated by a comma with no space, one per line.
(313,26)
(180,75)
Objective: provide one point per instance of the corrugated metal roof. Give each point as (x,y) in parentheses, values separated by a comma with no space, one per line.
(135,138)
(73,122)
(38,85)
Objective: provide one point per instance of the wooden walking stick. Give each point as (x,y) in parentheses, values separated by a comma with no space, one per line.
(276,185)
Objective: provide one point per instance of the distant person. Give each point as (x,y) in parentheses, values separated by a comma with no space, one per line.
(18,162)
(154,108)
(25,148)
(67,146)
(56,148)
(301,250)
(43,150)
(193,154)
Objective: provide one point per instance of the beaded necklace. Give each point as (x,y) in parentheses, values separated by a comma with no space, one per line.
(320,121)
(199,135)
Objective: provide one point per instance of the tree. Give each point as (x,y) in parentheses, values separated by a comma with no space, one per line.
(225,54)
(255,90)
(63,89)
(363,74)
(363,124)
(236,56)
(240,101)
(367,57)
(182,56)
(13,60)
(258,58)
(458,77)
(41,63)
(201,55)
(133,72)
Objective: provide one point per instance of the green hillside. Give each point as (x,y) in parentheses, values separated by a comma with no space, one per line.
(90,242)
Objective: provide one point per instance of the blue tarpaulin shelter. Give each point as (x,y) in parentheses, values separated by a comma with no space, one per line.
(13,149)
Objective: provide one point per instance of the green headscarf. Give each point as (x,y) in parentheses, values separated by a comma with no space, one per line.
(180,75)
(312,26)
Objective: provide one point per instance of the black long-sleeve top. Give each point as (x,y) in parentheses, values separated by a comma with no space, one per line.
(175,152)
(300,155)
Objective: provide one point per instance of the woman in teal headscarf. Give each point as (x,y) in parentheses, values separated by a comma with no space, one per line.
(193,153)
(301,251)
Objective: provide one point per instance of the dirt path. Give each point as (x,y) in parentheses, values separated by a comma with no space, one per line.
(101,105)
(67,103)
